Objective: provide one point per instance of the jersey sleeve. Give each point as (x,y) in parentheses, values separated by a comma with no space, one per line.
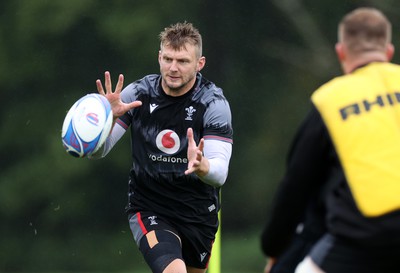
(217,140)
(218,121)
(128,95)
(117,132)
(218,154)
(121,124)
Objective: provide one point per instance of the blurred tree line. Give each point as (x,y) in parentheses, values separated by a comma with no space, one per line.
(59,212)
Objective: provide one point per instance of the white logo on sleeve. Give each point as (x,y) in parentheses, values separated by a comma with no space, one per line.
(168,141)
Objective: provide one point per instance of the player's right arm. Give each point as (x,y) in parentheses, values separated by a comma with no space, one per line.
(117,132)
(119,108)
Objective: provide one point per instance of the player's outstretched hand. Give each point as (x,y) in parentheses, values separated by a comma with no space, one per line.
(118,107)
(197,162)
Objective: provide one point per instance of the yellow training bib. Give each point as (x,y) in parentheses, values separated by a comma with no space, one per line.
(362,113)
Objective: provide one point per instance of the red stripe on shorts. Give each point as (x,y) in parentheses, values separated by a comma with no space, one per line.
(142,227)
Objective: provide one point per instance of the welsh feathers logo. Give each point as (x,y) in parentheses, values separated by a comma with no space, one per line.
(168,141)
(189,111)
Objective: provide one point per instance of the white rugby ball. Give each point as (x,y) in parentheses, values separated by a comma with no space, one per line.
(87,125)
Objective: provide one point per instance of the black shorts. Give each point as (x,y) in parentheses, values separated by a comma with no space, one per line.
(335,255)
(197,240)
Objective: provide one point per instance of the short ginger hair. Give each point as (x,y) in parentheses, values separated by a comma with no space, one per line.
(178,35)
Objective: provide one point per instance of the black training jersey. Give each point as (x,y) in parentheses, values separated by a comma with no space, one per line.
(159,147)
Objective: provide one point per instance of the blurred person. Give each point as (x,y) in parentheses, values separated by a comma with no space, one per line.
(285,245)
(350,152)
(181,144)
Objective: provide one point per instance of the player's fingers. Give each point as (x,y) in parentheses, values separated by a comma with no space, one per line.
(190,135)
(189,171)
(100,87)
(199,154)
(120,84)
(134,104)
(201,145)
(107,79)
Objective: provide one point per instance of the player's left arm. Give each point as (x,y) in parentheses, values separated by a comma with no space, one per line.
(218,154)
(210,159)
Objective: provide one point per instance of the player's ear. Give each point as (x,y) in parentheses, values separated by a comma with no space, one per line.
(201,63)
(340,52)
(159,56)
(389,51)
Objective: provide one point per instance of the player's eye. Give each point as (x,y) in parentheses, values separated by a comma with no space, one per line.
(168,60)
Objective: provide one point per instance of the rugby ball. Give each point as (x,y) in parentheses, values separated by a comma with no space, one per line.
(87,125)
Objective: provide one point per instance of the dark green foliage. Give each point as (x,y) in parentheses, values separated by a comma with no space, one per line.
(63,213)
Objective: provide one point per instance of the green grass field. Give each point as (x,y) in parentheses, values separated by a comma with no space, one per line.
(240,253)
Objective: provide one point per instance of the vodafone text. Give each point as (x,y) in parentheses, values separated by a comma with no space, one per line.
(171,159)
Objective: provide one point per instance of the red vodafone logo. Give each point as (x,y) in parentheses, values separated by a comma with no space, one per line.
(168,141)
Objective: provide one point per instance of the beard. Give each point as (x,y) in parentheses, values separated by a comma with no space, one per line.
(177,87)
